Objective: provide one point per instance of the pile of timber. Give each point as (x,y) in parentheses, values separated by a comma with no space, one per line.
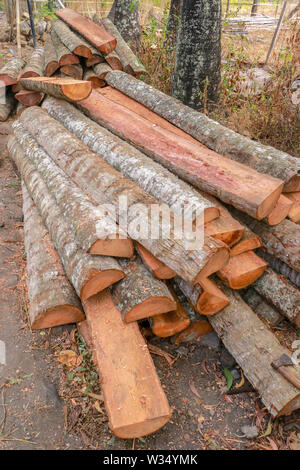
(86,149)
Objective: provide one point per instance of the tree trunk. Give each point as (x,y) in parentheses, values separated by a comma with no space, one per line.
(7,108)
(279,293)
(111,14)
(94,232)
(92,32)
(173,21)
(101,180)
(126,20)
(134,399)
(51,62)
(261,158)
(249,241)
(9,73)
(281,267)
(65,88)
(261,307)
(242,270)
(35,66)
(52,299)
(156,267)
(197,73)
(236,184)
(87,273)
(151,176)
(130,63)
(254,348)
(139,295)
(294,11)
(75,71)
(64,55)
(254,7)
(9,8)
(72,41)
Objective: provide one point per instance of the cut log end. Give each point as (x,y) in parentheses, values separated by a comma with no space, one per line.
(242,270)
(97,82)
(214,264)
(51,68)
(293,185)
(280,211)
(150,307)
(68,59)
(83,51)
(211,213)
(29,74)
(169,324)
(212,300)
(159,269)
(122,248)
(99,282)
(29,98)
(56,316)
(269,203)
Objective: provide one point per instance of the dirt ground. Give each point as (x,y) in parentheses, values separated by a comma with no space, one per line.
(46,405)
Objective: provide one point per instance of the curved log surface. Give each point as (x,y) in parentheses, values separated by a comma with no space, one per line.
(242,270)
(35,66)
(66,88)
(9,73)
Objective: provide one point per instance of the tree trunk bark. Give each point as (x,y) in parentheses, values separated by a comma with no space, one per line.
(134,399)
(236,184)
(111,14)
(249,241)
(65,88)
(9,73)
(94,232)
(99,179)
(92,32)
(173,21)
(51,62)
(151,176)
(197,73)
(126,20)
(279,293)
(35,66)
(261,158)
(281,267)
(87,273)
(254,7)
(261,307)
(72,41)
(7,108)
(139,295)
(255,347)
(242,270)
(64,55)
(53,300)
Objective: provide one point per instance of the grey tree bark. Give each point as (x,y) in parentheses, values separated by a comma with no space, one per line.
(254,7)
(126,19)
(198,52)
(173,21)
(111,14)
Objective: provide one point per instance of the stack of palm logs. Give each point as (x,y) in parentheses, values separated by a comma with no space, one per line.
(95,162)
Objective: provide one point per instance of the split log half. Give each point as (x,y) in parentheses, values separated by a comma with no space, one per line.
(35,66)
(280,211)
(71,40)
(232,182)
(134,398)
(249,241)
(281,267)
(139,295)
(281,241)
(66,88)
(294,212)
(130,63)
(88,274)
(64,55)
(96,81)
(10,71)
(92,32)
(194,332)
(51,62)
(254,348)
(95,232)
(261,307)
(158,269)
(29,98)
(94,176)
(281,294)
(242,270)
(170,323)
(101,70)
(75,71)
(261,158)
(52,299)
(133,164)
(7,108)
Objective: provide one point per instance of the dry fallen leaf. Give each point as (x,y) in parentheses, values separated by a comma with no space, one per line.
(69,358)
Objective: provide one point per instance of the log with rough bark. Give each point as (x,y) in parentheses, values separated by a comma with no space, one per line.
(262,158)
(280,211)
(130,63)
(29,98)
(126,19)
(281,267)
(261,307)
(232,182)
(63,54)
(10,71)
(94,232)
(281,241)
(249,241)
(194,332)
(242,270)
(133,396)
(96,81)
(91,31)
(101,70)
(88,274)
(294,212)
(133,164)
(52,299)
(90,172)
(139,295)
(35,66)
(65,88)
(7,108)
(51,62)
(170,323)
(206,298)
(75,71)
(281,294)
(72,41)
(254,348)
(158,269)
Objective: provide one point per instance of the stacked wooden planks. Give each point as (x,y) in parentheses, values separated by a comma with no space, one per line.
(90,147)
